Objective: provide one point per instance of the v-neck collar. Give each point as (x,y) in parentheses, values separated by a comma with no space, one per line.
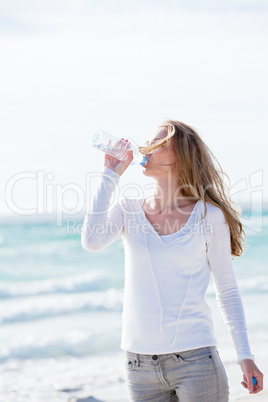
(157,237)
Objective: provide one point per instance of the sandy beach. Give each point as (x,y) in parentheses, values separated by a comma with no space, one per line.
(99,378)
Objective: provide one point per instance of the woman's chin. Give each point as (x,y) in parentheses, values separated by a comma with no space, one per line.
(145,172)
(148,172)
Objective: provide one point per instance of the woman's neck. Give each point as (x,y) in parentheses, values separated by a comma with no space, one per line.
(166,196)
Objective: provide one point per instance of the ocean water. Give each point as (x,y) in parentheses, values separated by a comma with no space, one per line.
(60,314)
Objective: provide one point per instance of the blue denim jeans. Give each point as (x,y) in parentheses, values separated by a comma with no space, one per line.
(195,375)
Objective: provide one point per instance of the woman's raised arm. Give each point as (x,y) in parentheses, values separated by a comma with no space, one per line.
(103,222)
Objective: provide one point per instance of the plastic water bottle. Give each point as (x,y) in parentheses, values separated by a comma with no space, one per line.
(107,143)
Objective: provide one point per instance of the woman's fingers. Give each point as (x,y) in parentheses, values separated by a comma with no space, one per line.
(255,387)
(119,166)
(250,370)
(259,385)
(250,384)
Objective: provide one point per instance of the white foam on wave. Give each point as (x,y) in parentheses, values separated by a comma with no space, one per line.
(77,335)
(32,346)
(78,283)
(249,285)
(28,309)
(258,284)
(255,225)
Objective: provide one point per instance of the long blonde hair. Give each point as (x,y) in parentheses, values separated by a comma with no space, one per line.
(200,176)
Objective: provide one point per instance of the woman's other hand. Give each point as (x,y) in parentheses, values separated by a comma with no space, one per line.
(115,164)
(250,370)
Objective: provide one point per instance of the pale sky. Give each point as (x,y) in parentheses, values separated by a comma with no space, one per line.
(69,68)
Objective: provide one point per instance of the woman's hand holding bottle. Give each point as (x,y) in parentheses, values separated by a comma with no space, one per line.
(115,164)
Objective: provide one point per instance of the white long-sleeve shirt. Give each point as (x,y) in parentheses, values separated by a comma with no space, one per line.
(166,277)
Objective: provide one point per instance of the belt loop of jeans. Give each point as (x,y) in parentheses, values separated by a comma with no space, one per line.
(175,356)
(137,358)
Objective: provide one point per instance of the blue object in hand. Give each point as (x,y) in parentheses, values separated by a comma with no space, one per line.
(254,381)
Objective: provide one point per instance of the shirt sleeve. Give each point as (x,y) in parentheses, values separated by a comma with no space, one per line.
(103,223)
(227,292)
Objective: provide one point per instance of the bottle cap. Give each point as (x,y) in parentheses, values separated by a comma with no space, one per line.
(144,161)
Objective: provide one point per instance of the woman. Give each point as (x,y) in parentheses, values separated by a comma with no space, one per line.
(173,241)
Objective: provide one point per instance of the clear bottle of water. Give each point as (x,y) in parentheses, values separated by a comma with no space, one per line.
(108,143)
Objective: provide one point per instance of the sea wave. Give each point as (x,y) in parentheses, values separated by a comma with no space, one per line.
(53,344)
(29,309)
(252,285)
(80,283)
(255,225)
(258,284)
